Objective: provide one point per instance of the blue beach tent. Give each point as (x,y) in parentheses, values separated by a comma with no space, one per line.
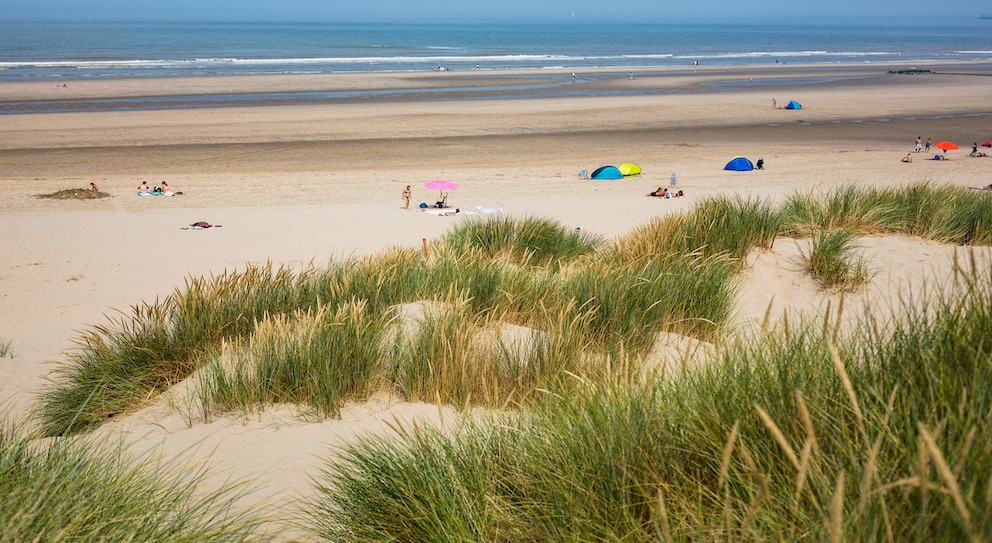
(739,164)
(607,172)
(793,105)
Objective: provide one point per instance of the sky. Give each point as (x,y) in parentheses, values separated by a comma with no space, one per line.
(487,10)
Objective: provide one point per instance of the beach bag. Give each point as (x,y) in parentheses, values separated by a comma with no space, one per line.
(423,205)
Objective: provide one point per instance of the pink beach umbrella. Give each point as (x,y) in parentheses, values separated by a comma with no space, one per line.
(441,185)
(987,144)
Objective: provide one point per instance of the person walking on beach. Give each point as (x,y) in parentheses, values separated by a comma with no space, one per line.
(919,144)
(406,197)
(929,144)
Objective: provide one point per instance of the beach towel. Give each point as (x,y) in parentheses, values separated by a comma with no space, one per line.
(479,209)
(201,225)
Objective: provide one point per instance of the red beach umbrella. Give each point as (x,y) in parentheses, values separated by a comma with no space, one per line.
(945,145)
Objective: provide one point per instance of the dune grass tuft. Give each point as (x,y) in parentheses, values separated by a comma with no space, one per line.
(527,241)
(795,432)
(59,491)
(603,300)
(318,359)
(831,260)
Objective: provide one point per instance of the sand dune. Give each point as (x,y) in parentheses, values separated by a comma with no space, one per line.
(295,184)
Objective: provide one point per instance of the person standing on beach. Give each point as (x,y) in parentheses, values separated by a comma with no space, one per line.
(929,144)
(406,197)
(919,144)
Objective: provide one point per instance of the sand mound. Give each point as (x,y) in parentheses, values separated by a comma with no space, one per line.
(75,194)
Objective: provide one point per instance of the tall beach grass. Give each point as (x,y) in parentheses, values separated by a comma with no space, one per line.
(797,433)
(59,491)
(605,300)
(831,260)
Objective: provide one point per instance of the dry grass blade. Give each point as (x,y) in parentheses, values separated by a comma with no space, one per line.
(969,440)
(666,531)
(804,467)
(870,469)
(837,512)
(848,387)
(752,511)
(728,451)
(806,418)
(946,475)
(778,435)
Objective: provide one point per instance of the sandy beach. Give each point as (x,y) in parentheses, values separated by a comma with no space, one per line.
(300,183)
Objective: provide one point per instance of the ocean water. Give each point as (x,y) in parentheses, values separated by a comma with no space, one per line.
(94,50)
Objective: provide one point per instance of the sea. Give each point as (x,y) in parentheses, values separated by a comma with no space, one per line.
(63,52)
(87,50)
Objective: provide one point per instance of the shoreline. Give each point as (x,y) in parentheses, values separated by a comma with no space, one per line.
(171,93)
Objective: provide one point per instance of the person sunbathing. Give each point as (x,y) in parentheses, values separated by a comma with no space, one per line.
(660,192)
(201,225)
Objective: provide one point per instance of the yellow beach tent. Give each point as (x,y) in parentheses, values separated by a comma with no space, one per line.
(630,170)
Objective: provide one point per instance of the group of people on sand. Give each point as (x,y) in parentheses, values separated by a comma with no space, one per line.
(163,190)
(663,192)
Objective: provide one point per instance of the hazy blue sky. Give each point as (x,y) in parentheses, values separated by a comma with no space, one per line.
(450,10)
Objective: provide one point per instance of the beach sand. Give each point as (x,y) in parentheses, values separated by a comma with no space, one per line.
(309,183)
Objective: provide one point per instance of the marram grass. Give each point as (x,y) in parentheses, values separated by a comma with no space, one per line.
(799,433)
(58,491)
(831,260)
(605,300)
(318,359)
